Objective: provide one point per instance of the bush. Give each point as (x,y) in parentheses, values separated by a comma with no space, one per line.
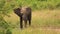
(58,5)
(8,31)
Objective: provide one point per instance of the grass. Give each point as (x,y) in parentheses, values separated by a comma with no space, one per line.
(35,31)
(43,22)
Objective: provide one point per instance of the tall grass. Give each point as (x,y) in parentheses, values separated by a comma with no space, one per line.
(38,4)
(34,4)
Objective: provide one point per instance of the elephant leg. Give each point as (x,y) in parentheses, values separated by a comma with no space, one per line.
(21,23)
(25,23)
(25,19)
(29,22)
(29,19)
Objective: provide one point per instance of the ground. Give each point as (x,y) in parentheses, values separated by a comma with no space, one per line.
(43,22)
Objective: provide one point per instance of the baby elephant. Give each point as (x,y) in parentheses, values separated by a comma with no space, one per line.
(25,15)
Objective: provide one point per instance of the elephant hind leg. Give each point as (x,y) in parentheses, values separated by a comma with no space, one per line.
(29,19)
(25,23)
(29,22)
(25,19)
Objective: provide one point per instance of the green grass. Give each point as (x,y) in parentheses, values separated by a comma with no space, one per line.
(43,22)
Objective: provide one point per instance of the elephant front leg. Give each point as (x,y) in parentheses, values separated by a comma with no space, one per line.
(21,23)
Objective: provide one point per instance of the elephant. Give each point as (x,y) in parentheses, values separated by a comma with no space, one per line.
(25,15)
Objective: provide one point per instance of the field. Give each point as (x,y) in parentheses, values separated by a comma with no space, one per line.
(43,22)
(45,17)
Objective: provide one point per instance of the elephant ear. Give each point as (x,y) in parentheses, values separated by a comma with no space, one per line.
(17,10)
